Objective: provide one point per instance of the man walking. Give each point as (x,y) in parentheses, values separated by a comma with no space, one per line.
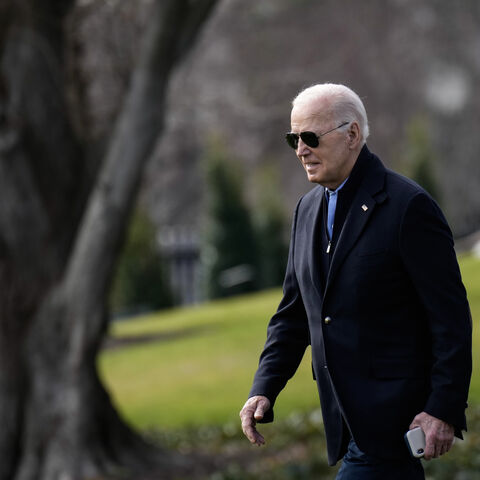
(373,284)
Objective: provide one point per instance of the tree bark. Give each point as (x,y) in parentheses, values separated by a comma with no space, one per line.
(55,269)
(36,223)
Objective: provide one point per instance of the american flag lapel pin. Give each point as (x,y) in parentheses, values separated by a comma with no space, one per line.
(364,208)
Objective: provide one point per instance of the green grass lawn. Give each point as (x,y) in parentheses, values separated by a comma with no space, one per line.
(199,362)
(470,267)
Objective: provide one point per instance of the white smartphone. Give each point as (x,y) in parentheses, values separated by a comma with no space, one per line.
(415,439)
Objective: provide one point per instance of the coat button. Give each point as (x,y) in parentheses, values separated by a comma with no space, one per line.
(327,320)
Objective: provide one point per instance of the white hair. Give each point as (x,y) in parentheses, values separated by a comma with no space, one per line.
(345,104)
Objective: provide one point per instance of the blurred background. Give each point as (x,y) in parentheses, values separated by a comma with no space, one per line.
(415,65)
(146,194)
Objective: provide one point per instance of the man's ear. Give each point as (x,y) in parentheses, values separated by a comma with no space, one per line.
(353,135)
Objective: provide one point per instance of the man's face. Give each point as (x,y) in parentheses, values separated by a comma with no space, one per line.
(331,162)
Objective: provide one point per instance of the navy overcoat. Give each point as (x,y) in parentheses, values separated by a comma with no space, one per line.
(389,326)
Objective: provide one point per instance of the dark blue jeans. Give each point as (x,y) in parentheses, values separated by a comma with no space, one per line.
(357,465)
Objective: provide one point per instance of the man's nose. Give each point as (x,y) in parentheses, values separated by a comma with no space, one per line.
(302,148)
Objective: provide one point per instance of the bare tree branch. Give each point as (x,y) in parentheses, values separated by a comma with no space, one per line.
(140,122)
(199,11)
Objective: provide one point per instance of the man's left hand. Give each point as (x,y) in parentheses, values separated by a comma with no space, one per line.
(439,435)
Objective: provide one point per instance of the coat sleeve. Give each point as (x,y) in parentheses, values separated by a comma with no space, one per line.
(427,251)
(287,338)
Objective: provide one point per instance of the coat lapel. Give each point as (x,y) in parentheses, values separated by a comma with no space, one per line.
(313,230)
(369,194)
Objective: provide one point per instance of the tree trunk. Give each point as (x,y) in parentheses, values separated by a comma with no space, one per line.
(55,270)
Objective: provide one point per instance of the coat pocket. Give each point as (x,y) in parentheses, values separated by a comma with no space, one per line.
(398,368)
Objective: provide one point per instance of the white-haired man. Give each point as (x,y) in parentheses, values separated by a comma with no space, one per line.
(373,284)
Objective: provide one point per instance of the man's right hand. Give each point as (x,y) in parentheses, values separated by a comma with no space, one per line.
(253,410)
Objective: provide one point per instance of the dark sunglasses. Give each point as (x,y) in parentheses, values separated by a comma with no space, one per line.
(311,139)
